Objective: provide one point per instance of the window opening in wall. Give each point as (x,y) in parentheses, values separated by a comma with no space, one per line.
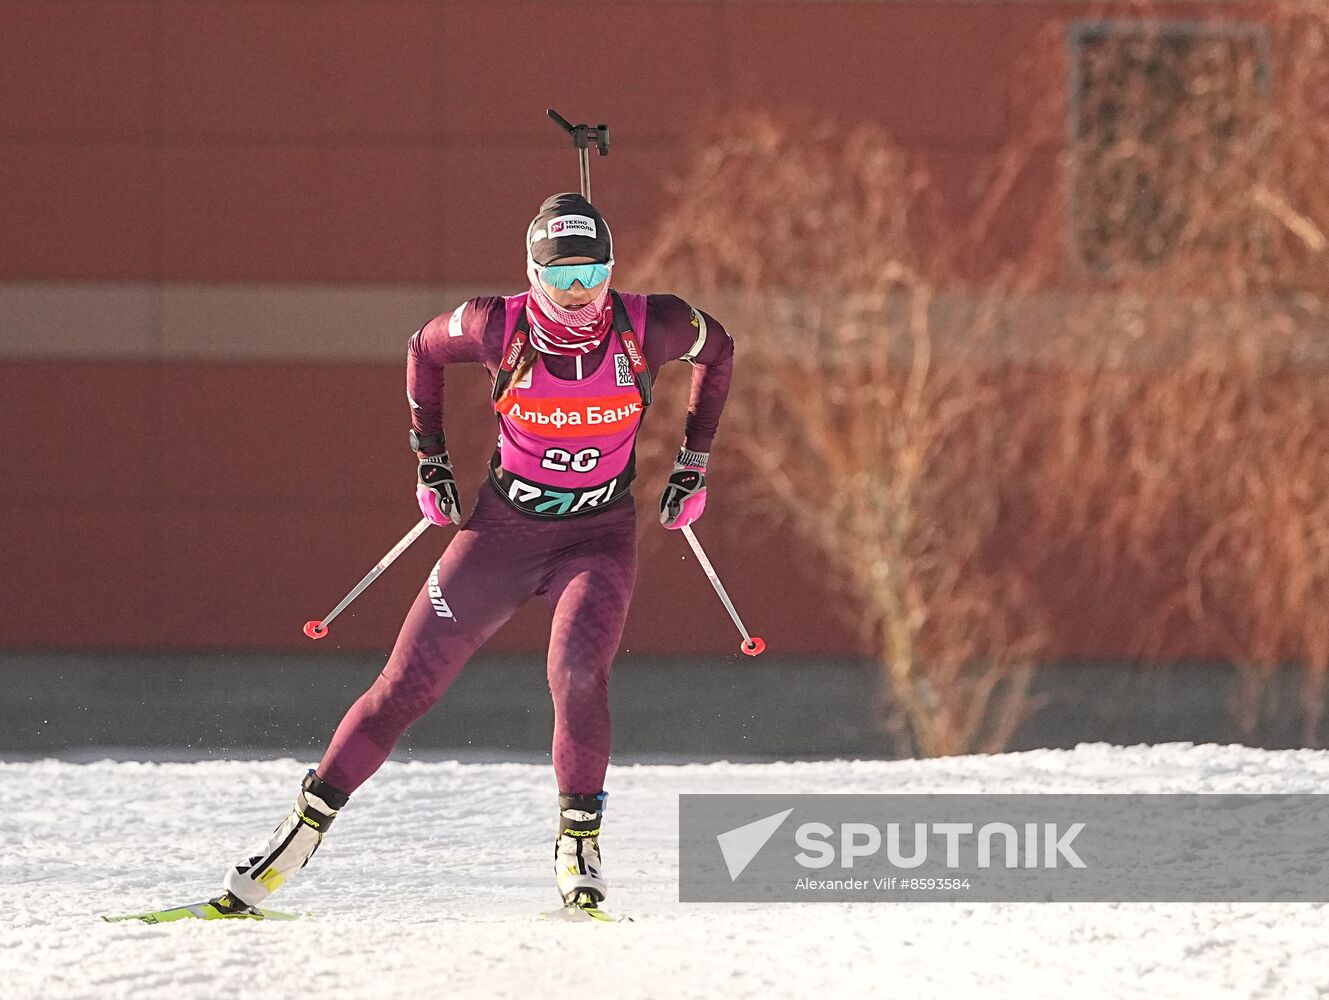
(1167,123)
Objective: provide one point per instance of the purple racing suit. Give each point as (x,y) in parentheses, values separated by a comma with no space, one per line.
(584,565)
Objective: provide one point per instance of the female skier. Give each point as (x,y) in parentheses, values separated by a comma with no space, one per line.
(573,363)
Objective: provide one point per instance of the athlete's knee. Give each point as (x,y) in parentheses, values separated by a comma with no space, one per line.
(575,685)
(403,695)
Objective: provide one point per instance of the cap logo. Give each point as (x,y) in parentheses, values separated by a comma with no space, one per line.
(572,225)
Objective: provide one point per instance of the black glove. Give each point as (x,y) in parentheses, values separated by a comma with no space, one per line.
(437,490)
(684,496)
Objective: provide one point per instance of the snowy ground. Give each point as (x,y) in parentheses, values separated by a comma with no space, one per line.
(432,881)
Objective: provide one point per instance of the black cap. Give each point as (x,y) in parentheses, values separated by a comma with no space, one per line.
(569,226)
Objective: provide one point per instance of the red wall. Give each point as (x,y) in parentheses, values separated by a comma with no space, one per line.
(157,501)
(405,140)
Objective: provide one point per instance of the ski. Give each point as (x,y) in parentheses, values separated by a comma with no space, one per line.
(207,910)
(583,909)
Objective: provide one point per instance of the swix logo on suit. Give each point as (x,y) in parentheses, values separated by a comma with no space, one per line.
(637,361)
(515,351)
(562,417)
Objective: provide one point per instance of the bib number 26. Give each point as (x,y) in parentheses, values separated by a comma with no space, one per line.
(561,460)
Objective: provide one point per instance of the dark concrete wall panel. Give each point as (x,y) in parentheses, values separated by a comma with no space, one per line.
(646,69)
(300,213)
(400,141)
(73,209)
(934,74)
(78,436)
(76,576)
(271,71)
(77,67)
(296,438)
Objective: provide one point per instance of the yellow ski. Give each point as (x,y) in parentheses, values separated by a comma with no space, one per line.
(209,910)
(583,909)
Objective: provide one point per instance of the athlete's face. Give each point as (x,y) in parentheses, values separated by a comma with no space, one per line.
(576,296)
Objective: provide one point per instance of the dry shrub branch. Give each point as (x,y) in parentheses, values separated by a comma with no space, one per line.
(878,448)
(1079,414)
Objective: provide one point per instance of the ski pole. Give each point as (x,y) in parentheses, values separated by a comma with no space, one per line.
(317,629)
(752,645)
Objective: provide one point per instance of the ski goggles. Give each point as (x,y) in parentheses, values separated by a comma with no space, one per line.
(564,276)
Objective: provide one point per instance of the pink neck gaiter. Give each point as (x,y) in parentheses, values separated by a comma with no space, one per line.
(567,332)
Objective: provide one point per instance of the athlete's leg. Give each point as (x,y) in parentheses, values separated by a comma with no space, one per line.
(590,592)
(486,572)
(477,585)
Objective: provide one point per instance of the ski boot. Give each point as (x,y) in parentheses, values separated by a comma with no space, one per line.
(228,906)
(288,850)
(577,850)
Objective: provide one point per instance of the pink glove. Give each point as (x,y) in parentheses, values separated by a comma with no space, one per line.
(684,497)
(436,491)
